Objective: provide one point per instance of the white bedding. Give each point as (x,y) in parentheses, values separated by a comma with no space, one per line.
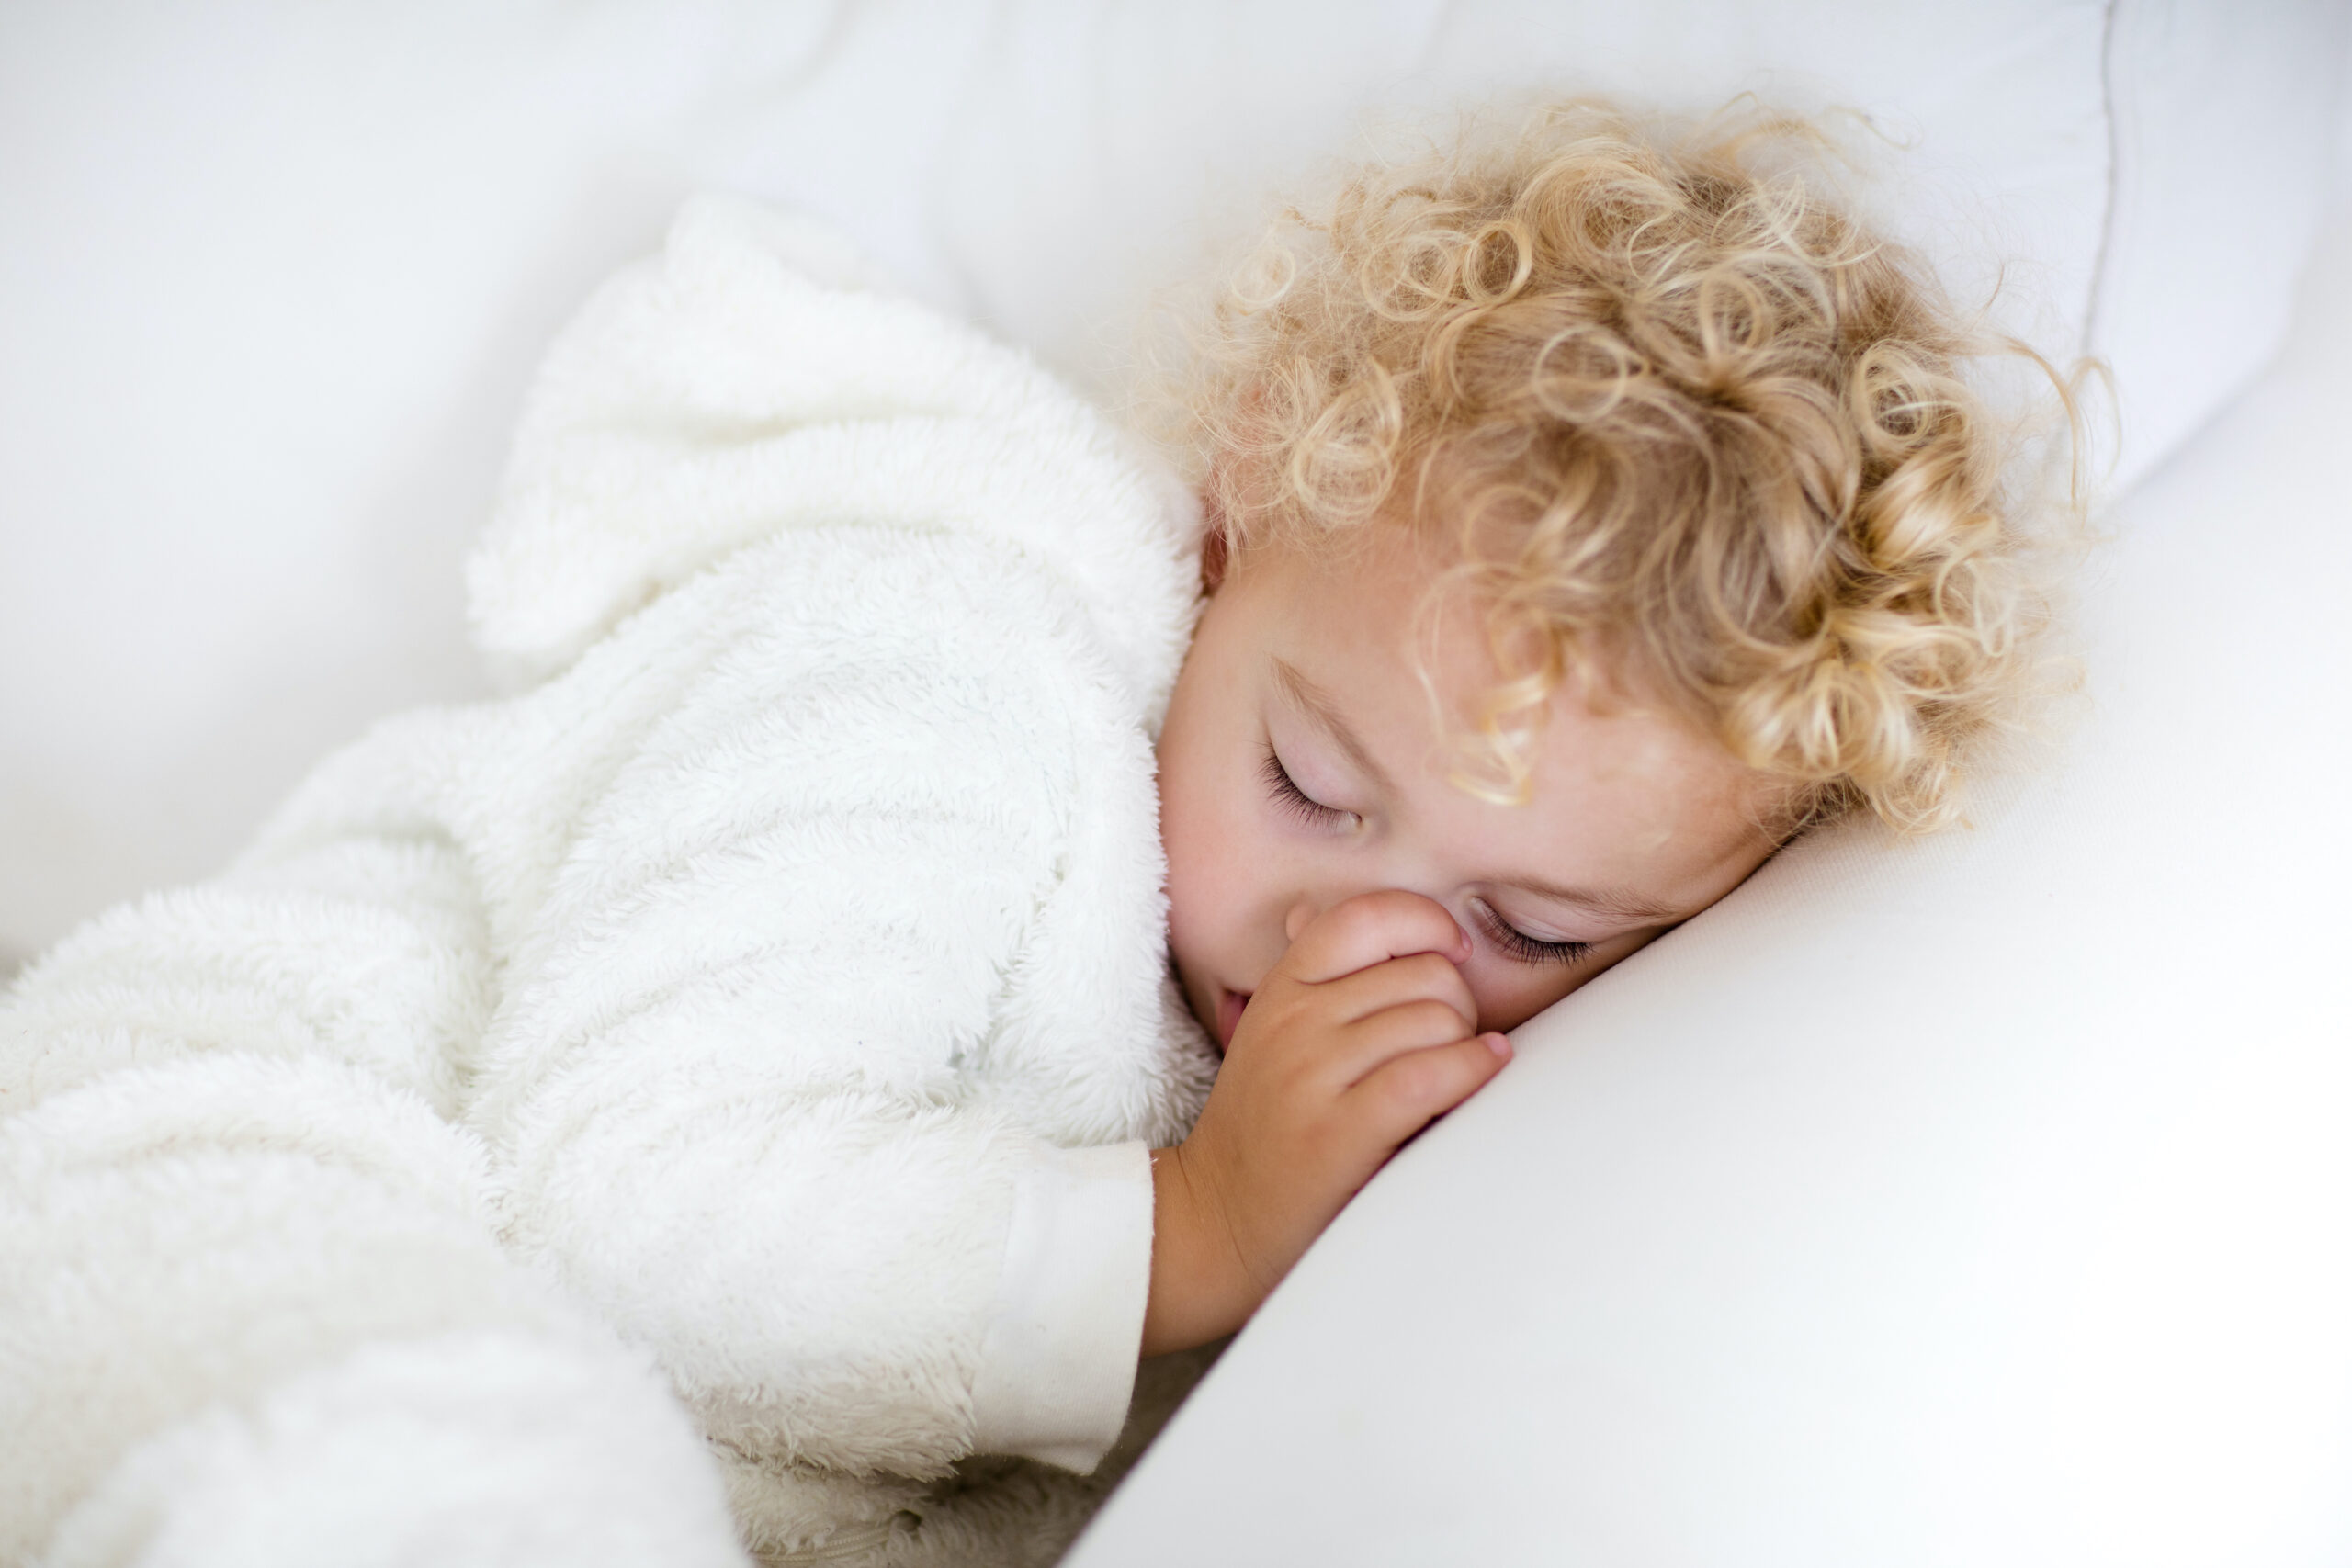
(1980,1203)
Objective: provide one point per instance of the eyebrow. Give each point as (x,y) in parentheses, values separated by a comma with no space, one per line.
(1605,900)
(1316,704)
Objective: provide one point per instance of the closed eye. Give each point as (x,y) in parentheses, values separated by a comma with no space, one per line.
(1294,800)
(1518,944)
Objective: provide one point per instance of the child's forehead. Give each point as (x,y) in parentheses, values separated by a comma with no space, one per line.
(1397,626)
(1399,669)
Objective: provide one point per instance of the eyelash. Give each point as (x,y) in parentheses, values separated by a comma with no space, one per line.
(1514,942)
(1293,799)
(1527,949)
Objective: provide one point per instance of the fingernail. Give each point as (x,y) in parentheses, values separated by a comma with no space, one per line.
(1498,1043)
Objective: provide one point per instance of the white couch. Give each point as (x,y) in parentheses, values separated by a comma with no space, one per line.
(1979,1201)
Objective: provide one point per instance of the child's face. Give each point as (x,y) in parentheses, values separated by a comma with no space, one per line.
(1303,675)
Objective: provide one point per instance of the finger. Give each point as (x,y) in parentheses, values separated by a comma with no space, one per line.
(1367,1045)
(1416,976)
(1372,927)
(1406,1092)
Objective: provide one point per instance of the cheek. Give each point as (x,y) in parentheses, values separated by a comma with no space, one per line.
(1199,845)
(1208,862)
(1509,994)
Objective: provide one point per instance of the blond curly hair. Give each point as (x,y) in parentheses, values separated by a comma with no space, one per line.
(1696,434)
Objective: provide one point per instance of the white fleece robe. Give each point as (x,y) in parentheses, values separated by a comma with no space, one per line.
(769,1001)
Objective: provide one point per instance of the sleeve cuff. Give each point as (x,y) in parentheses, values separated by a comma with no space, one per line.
(1057,1366)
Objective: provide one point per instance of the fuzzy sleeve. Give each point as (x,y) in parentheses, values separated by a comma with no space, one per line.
(254,1304)
(756,1076)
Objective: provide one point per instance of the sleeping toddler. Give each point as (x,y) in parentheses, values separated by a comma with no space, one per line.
(947,908)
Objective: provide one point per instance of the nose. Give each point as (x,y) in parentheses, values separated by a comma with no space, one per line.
(1310,902)
(1306,905)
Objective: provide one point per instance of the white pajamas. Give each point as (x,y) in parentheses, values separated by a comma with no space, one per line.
(774,991)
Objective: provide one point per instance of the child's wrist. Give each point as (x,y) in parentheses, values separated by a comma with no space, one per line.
(1199,1291)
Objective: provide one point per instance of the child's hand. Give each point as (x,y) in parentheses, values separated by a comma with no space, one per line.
(1355,1041)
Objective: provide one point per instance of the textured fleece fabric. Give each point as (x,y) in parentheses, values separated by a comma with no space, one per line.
(769,1000)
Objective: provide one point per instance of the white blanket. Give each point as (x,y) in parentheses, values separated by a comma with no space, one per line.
(774,991)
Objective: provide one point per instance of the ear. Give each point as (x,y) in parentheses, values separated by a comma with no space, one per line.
(1214,554)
